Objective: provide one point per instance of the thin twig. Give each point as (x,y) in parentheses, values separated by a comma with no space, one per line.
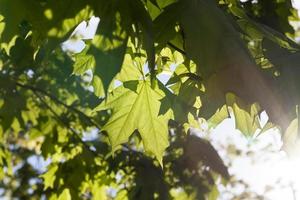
(176,48)
(36,91)
(55,99)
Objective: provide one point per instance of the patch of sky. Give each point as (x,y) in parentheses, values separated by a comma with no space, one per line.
(39,163)
(84,31)
(91,135)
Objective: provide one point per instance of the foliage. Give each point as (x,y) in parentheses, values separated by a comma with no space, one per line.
(223,57)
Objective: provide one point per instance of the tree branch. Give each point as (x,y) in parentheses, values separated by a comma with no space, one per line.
(36,91)
(55,99)
(176,48)
(66,125)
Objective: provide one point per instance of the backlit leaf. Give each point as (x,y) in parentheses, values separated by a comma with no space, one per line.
(136,106)
(83,63)
(49,177)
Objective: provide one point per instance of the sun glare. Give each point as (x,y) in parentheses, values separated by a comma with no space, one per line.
(258,166)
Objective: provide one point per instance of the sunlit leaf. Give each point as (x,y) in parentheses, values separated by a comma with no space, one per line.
(49,177)
(65,195)
(246,116)
(136,106)
(83,63)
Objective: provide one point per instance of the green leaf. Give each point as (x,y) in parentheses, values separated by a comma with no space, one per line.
(290,138)
(279,56)
(132,68)
(65,195)
(98,87)
(209,49)
(153,8)
(145,21)
(265,128)
(49,18)
(257,30)
(164,3)
(286,64)
(109,55)
(99,191)
(122,195)
(83,63)
(136,106)
(214,193)
(154,3)
(49,177)
(246,117)
(224,62)
(16,11)
(192,122)
(218,117)
(164,24)
(2,25)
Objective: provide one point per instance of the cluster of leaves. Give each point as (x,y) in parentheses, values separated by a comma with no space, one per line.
(221,56)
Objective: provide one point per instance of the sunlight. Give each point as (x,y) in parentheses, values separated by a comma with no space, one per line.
(260,164)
